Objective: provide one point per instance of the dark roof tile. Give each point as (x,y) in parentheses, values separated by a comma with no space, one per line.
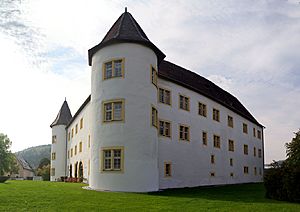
(64,115)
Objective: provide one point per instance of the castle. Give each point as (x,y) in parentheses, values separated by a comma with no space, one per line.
(150,124)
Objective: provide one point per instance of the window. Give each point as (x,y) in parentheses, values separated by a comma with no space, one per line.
(217,142)
(68,154)
(184,133)
(75,151)
(212,174)
(245,128)
(231,162)
(80,146)
(154,116)
(254,132)
(212,159)
(230,121)
(153,76)
(259,153)
(113,68)
(246,170)
(52,171)
(216,115)
(231,145)
(258,134)
(76,129)
(184,102)
(69,136)
(72,132)
(112,159)
(204,138)
(89,141)
(164,128)
(164,96)
(53,139)
(168,169)
(113,110)
(231,174)
(72,152)
(254,151)
(53,156)
(81,123)
(255,171)
(245,149)
(202,109)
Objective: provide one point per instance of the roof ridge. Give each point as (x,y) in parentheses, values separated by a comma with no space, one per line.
(121,22)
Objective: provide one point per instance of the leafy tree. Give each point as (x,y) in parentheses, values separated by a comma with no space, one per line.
(8,163)
(293,151)
(44,169)
(44,162)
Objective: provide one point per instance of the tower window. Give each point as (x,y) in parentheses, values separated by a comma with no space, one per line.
(154,116)
(81,123)
(153,76)
(164,128)
(164,96)
(113,68)
(113,110)
(54,139)
(80,146)
(168,169)
(112,159)
(53,156)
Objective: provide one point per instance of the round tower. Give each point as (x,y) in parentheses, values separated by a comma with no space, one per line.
(124,150)
(59,141)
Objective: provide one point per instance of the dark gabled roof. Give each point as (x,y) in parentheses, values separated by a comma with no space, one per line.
(79,110)
(24,163)
(199,84)
(64,115)
(126,30)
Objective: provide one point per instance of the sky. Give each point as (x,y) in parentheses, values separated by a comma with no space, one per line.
(250,48)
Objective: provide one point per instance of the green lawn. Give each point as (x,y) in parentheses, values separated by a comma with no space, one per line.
(51,196)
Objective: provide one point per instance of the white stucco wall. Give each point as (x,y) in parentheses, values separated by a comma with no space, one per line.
(60,149)
(191,165)
(135,134)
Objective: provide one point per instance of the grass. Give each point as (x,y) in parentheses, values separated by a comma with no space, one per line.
(54,196)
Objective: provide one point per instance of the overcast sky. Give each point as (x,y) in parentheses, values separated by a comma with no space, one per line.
(249,48)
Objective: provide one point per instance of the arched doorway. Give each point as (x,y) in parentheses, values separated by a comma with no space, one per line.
(76,169)
(70,170)
(80,171)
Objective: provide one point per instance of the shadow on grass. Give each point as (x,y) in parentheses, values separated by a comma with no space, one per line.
(246,193)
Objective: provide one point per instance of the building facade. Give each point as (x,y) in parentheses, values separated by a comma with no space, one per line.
(150,124)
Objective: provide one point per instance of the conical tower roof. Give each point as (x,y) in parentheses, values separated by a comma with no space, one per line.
(64,115)
(126,30)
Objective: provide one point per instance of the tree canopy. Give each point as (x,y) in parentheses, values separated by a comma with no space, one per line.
(293,151)
(7,159)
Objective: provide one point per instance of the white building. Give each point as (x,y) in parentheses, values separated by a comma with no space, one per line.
(150,124)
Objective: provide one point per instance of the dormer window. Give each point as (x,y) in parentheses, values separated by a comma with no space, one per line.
(113,68)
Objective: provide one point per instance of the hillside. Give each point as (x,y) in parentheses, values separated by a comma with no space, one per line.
(34,155)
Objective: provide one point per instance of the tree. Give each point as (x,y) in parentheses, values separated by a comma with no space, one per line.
(44,169)
(293,151)
(7,158)
(44,162)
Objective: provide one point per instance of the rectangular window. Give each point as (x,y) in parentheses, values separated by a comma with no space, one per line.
(254,132)
(254,151)
(212,159)
(184,102)
(153,76)
(184,132)
(72,132)
(72,152)
(246,170)
(217,142)
(69,136)
(255,171)
(245,128)
(216,115)
(259,153)
(89,141)
(81,123)
(165,128)
(112,159)
(113,68)
(154,116)
(113,110)
(164,96)
(212,174)
(202,109)
(80,147)
(53,139)
(52,172)
(245,149)
(230,121)
(231,174)
(75,151)
(168,169)
(231,145)
(231,162)
(204,138)
(53,156)
(258,134)
(76,129)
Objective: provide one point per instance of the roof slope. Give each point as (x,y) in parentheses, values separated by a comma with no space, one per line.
(64,115)
(199,84)
(24,163)
(126,30)
(79,110)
